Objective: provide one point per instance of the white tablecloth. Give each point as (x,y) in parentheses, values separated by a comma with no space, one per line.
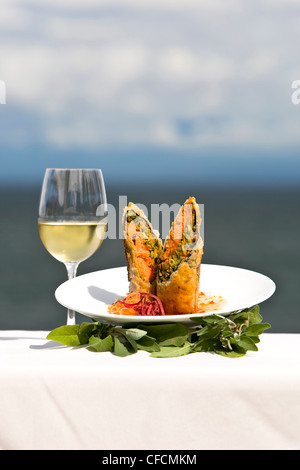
(56,397)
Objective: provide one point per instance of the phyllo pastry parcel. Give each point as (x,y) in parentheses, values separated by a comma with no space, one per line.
(142,250)
(178,271)
(170,271)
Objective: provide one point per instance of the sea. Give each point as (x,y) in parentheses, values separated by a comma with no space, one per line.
(252,228)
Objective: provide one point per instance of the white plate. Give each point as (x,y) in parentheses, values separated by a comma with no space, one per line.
(90,294)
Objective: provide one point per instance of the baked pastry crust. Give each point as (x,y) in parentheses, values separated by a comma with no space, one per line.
(180,290)
(142,250)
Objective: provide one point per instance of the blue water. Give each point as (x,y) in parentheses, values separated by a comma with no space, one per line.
(253,229)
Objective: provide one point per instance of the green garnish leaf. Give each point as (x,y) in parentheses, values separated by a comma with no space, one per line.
(247,343)
(231,336)
(122,349)
(231,353)
(135,333)
(67,335)
(168,334)
(101,345)
(173,351)
(257,329)
(146,343)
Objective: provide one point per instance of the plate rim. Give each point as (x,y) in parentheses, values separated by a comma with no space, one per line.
(171,318)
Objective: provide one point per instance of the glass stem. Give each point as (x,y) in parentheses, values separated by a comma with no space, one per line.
(71,270)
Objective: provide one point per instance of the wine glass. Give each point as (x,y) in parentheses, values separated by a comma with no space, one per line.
(72,216)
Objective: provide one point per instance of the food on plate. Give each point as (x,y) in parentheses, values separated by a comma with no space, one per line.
(164,278)
(208,302)
(142,303)
(142,250)
(178,272)
(138,303)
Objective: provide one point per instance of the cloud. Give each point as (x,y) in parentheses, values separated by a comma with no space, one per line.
(178,74)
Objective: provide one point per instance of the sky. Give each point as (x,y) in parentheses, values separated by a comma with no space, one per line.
(173,90)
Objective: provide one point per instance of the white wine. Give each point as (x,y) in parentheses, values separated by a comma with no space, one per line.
(72,242)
